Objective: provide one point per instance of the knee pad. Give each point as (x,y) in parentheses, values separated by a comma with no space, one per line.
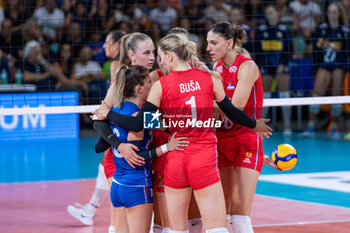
(217,230)
(336,109)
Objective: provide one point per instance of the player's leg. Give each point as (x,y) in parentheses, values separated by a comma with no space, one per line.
(211,204)
(322,80)
(337,85)
(195,224)
(177,202)
(267,80)
(139,218)
(118,217)
(283,87)
(86,213)
(244,185)
(226,174)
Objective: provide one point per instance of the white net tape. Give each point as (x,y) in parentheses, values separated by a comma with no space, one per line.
(90,108)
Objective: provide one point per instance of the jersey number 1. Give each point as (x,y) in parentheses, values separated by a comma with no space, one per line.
(192,103)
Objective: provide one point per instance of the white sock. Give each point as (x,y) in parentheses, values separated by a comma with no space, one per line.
(166,230)
(111,229)
(195,225)
(157,228)
(99,193)
(172,231)
(217,230)
(242,224)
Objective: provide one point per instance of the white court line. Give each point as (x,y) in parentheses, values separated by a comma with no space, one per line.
(306,202)
(301,223)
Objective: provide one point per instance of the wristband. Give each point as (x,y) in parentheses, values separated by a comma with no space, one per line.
(164,148)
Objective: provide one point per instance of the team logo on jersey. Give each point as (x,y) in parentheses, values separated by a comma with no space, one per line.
(247,160)
(230,86)
(233,69)
(219,69)
(248,154)
(151,120)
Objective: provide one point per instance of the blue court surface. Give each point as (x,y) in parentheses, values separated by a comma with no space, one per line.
(322,173)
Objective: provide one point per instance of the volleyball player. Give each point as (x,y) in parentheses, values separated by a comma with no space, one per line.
(272,49)
(195,167)
(240,149)
(160,137)
(329,61)
(86,213)
(132,187)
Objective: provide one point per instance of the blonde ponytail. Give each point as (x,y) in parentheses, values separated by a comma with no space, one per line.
(119,86)
(123,51)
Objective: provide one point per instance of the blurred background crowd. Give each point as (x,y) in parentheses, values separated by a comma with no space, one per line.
(58,44)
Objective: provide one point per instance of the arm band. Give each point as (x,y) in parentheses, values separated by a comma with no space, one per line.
(134,123)
(101,145)
(147,155)
(236,115)
(105,131)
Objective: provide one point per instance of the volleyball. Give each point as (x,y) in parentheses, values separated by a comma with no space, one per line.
(284,157)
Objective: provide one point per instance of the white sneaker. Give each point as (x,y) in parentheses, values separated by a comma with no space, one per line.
(78,213)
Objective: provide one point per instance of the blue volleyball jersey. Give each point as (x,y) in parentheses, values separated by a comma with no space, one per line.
(272,45)
(125,174)
(328,56)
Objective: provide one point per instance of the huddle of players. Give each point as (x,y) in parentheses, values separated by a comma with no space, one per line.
(189,160)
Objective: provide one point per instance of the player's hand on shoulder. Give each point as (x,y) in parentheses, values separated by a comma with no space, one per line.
(262,129)
(177,143)
(127,150)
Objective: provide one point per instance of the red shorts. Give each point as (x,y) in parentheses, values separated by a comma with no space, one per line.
(196,166)
(243,150)
(109,165)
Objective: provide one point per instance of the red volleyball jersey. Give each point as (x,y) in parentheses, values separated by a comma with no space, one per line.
(187,100)
(254,104)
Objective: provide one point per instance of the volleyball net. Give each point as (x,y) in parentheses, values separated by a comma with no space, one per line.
(54,58)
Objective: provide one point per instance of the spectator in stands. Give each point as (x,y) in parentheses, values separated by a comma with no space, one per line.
(90,72)
(164,16)
(11,43)
(193,10)
(75,38)
(132,14)
(306,16)
(96,45)
(329,61)
(2,15)
(101,14)
(185,23)
(218,10)
(5,71)
(50,18)
(237,18)
(14,11)
(37,70)
(285,13)
(65,64)
(273,50)
(31,31)
(79,14)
